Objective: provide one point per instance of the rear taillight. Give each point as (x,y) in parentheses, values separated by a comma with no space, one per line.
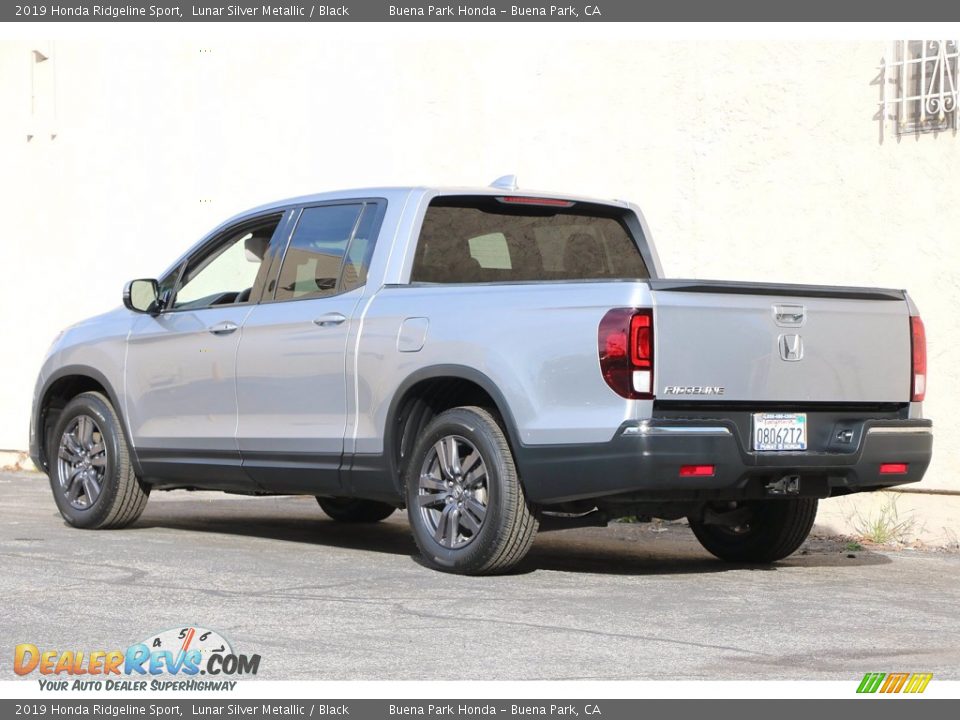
(625,345)
(918,350)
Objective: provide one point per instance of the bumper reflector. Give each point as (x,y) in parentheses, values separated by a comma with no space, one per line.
(698,470)
(893,468)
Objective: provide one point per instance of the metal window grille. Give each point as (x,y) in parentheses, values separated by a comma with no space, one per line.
(920,86)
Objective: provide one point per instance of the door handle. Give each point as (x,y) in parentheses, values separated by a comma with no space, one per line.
(224,328)
(330,319)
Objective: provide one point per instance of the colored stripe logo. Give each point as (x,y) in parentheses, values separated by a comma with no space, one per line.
(895,682)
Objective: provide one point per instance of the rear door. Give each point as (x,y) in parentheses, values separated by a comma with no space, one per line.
(291,364)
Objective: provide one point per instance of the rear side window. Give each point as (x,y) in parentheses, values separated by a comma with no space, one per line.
(329,252)
(484,239)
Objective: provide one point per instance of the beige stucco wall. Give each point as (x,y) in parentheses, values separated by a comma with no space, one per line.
(753,160)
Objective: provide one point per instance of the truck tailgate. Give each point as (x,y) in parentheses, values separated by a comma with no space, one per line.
(766,343)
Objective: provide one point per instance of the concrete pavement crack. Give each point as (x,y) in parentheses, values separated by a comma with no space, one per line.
(133,574)
(569,629)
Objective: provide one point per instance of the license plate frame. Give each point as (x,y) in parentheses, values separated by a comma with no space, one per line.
(778,432)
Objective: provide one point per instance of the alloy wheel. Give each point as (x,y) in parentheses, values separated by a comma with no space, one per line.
(82,462)
(453,491)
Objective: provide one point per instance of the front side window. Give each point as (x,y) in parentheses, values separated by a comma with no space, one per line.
(329,252)
(468,239)
(229,272)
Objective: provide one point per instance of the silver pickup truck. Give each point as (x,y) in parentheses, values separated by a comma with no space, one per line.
(491,360)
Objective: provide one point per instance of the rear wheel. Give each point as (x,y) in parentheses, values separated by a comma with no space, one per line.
(91,475)
(765,531)
(354,510)
(466,506)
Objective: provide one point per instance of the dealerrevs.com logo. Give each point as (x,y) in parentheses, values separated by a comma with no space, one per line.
(170,660)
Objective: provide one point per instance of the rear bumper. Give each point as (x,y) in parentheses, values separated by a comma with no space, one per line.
(644,460)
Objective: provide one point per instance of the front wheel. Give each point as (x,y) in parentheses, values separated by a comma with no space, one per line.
(93,481)
(769,530)
(466,506)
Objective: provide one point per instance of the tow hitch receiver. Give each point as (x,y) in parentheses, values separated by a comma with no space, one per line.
(787,485)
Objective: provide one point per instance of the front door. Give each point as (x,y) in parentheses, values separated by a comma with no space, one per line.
(180,370)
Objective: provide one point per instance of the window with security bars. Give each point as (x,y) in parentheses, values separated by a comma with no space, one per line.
(920,86)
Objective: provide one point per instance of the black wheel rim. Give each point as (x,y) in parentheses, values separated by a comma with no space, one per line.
(82,462)
(453,492)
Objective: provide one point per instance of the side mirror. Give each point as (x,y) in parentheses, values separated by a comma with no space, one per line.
(141,295)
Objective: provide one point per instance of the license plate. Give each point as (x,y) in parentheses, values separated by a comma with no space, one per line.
(779,431)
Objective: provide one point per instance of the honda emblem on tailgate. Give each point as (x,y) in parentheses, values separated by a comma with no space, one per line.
(791,348)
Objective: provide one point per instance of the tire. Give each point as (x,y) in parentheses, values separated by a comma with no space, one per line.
(776,528)
(446,493)
(89,451)
(354,510)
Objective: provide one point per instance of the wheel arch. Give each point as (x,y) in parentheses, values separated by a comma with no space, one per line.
(429,391)
(59,389)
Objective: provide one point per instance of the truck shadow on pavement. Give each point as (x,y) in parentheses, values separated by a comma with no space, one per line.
(616,550)
(651,555)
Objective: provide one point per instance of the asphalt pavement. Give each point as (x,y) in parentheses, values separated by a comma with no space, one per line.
(323,601)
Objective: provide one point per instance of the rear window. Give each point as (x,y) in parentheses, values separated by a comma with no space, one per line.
(483,239)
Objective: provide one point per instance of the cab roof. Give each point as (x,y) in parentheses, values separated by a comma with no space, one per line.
(402,193)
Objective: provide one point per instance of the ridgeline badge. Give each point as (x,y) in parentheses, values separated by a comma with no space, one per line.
(694,390)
